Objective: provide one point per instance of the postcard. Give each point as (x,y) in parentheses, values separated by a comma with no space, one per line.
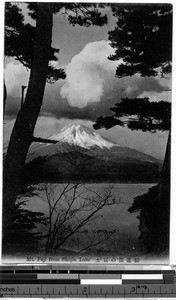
(87,132)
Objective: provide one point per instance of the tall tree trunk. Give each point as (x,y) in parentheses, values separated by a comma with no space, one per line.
(164,182)
(154,206)
(4,96)
(22,133)
(163,212)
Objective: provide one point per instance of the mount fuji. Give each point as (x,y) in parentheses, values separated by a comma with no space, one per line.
(82,154)
(82,136)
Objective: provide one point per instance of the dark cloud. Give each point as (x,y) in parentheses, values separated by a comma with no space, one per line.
(114,90)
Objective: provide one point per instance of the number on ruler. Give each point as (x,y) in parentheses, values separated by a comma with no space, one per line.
(85,289)
(141,286)
(133,289)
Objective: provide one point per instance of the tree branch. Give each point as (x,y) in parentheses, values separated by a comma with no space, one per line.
(40,140)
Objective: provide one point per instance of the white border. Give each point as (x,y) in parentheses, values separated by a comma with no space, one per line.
(173,144)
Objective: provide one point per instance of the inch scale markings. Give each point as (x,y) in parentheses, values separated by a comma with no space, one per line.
(114,291)
(59,281)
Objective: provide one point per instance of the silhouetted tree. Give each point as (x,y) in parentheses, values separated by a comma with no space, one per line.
(22,235)
(20,41)
(72,209)
(141,114)
(138,113)
(143,41)
(22,133)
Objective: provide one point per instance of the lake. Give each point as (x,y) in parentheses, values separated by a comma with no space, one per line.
(75,203)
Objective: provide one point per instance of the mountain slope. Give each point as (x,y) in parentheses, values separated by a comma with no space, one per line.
(82,154)
(70,137)
(81,136)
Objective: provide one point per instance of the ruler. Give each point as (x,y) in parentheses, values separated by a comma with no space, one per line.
(105,291)
(82,281)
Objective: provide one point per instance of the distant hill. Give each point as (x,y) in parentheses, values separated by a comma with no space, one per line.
(82,154)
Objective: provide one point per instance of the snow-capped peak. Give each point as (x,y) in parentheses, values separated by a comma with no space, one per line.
(81,136)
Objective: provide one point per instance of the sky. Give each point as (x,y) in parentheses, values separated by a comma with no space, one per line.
(90,87)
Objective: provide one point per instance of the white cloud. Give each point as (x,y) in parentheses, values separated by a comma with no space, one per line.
(86,74)
(156,97)
(130,89)
(15,76)
(165,81)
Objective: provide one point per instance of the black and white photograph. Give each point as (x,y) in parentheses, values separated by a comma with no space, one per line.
(87,131)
